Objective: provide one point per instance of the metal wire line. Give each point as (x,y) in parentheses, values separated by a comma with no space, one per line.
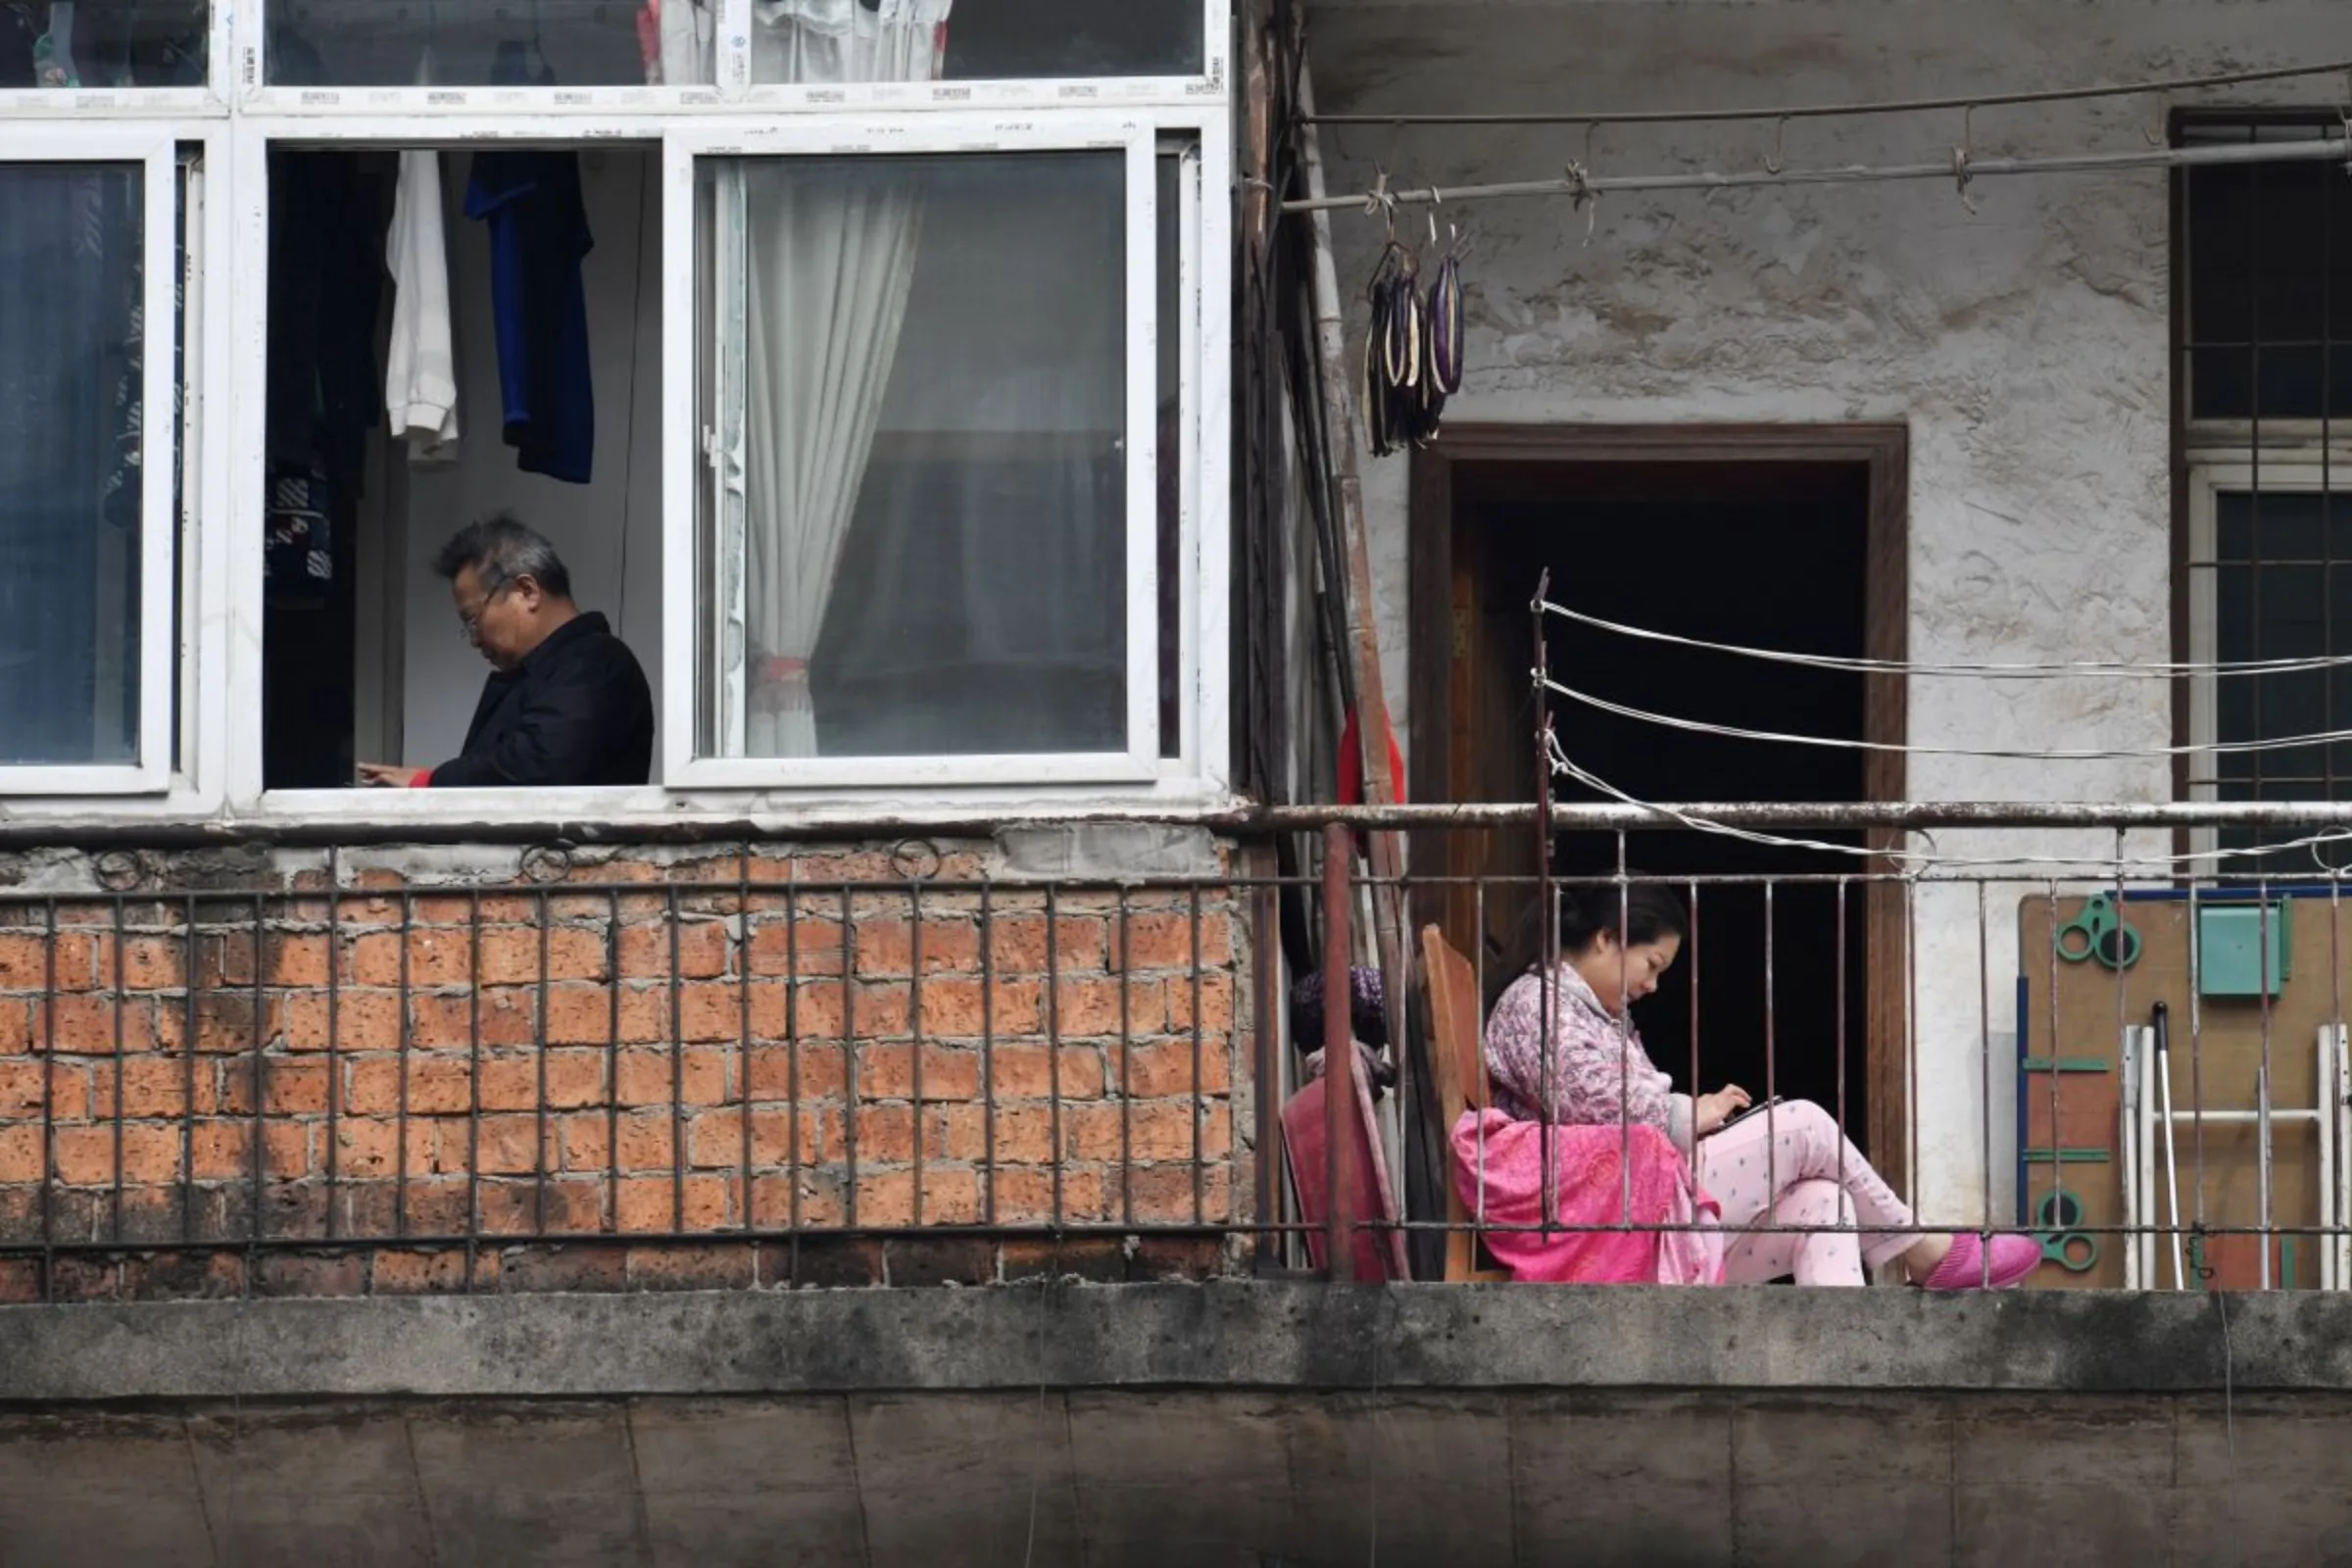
(1963,167)
(1898,106)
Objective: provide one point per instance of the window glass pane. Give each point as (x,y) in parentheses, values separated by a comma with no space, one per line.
(2270,310)
(104,43)
(823,42)
(70,374)
(934,493)
(490,43)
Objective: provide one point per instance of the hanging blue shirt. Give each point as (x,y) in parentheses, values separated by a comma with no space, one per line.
(538,236)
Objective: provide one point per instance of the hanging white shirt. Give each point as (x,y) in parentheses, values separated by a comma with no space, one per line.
(420,387)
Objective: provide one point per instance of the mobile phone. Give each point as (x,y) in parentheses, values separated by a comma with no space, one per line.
(1736,1117)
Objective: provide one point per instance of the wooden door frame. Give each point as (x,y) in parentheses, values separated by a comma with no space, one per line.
(1884,451)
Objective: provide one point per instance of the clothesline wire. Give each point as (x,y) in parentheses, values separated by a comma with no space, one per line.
(2105,668)
(1848,111)
(1698,726)
(1962,167)
(1924,862)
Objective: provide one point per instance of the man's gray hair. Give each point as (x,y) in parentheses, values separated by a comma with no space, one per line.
(500,550)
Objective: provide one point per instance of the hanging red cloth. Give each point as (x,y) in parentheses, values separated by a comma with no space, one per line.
(1351,766)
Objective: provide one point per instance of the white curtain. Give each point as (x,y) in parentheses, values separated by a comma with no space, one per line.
(830,258)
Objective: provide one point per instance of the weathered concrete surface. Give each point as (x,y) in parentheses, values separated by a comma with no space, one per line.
(1247,1423)
(1262,1335)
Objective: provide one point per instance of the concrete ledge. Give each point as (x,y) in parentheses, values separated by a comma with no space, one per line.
(1254,1334)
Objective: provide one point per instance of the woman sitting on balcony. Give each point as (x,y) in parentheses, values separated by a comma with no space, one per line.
(1789,1165)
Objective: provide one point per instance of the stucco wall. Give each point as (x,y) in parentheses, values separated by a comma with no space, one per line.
(2025,344)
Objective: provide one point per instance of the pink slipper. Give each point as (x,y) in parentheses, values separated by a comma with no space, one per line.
(1965,1267)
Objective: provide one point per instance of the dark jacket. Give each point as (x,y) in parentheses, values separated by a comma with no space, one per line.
(577,711)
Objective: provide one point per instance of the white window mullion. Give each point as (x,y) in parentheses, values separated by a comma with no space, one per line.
(729,568)
(159,441)
(1142,450)
(731,62)
(685,469)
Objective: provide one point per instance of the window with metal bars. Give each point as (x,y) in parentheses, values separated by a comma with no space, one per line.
(2264,381)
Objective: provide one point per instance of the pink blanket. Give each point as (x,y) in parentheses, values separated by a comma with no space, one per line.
(1505,1158)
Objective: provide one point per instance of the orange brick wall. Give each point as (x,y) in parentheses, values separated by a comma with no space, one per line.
(653,1068)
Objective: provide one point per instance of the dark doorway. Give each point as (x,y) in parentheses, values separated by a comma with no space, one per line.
(1770,992)
(1788,537)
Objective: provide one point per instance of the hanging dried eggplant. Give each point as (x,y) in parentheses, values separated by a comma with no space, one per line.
(1445,326)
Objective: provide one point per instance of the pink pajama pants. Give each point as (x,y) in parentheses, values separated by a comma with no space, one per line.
(1789,1165)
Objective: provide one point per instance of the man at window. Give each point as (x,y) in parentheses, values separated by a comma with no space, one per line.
(566,703)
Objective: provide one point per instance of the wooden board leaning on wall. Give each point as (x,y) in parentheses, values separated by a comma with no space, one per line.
(2069,1078)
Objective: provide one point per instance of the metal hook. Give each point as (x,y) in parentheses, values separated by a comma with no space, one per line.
(1778,159)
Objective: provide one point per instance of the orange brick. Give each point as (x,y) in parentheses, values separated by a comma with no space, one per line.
(288,1090)
(1025,1196)
(425,1273)
(704,948)
(1028,1072)
(366,1149)
(959,1009)
(502,1016)
(510,1082)
(648,1142)
(155,1088)
(949,1072)
(25,961)
(784,948)
(821,1071)
(1162,1068)
(689,1077)
(437,957)
(21,1157)
(147,962)
(508,1145)
(880,1011)
(1018,944)
(1093,1008)
(885,1135)
(295,961)
(950,1196)
(437,1086)
(714,1139)
(957,1133)
(712,1012)
(1163,1195)
(574,1078)
(651,1204)
(223,1151)
(85,1157)
(885,947)
(1216,1004)
(364,1021)
(586,1142)
(21,1091)
(93,1026)
(16,1026)
(512,955)
(585,1015)
(1164,941)
(1024,1135)
(1142,1131)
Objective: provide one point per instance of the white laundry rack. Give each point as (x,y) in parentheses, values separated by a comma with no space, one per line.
(2150,1157)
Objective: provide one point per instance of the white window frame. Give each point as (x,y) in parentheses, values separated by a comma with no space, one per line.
(731,89)
(156,152)
(1137,139)
(2296,473)
(234,119)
